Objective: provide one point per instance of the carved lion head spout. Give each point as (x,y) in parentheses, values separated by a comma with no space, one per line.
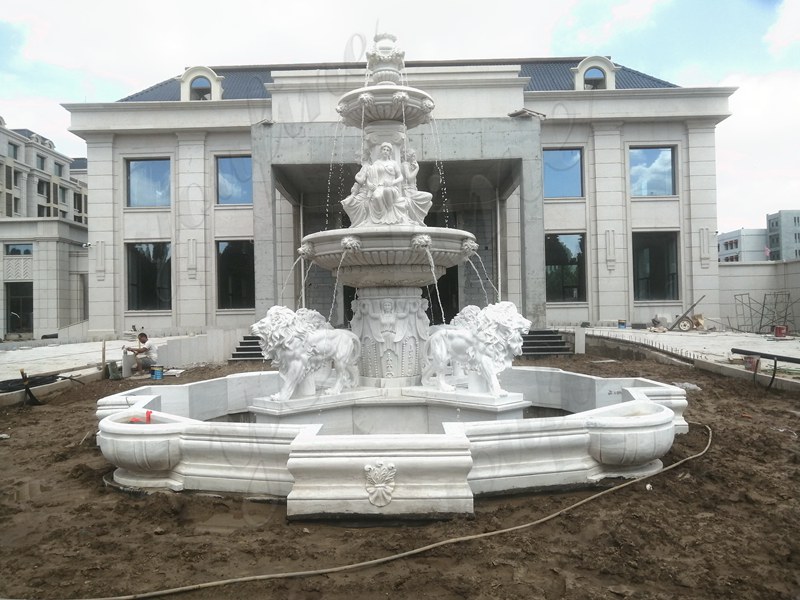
(303,345)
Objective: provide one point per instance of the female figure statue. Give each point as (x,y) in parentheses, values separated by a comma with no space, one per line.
(418,203)
(385,176)
(357,203)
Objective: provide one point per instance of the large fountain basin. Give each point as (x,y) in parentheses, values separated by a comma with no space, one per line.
(397,103)
(217,436)
(401,255)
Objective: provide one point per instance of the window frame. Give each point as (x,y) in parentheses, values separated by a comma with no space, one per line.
(195,92)
(217,179)
(41,162)
(581,173)
(8,246)
(246,298)
(163,294)
(154,205)
(673,148)
(578,261)
(641,240)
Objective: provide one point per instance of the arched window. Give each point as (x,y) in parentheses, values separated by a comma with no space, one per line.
(594,79)
(595,73)
(200,89)
(200,83)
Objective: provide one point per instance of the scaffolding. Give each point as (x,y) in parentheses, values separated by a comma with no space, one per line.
(753,316)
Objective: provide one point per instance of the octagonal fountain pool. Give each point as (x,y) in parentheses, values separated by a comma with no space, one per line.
(402,451)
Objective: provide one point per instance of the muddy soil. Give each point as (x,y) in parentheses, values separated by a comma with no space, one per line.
(725,525)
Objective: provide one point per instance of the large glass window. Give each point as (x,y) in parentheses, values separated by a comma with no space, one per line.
(563,173)
(652,171)
(565,262)
(234,180)
(148,182)
(655,265)
(235,274)
(149,276)
(41,161)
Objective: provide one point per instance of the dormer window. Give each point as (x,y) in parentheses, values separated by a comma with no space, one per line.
(200,89)
(200,83)
(594,79)
(595,73)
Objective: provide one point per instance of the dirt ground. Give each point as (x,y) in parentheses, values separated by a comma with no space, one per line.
(726,525)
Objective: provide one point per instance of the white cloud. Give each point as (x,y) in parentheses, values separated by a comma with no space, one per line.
(617,20)
(785,32)
(757,170)
(45,117)
(143,43)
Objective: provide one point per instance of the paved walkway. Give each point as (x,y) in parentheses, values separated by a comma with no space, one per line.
(48,358)
(708,345)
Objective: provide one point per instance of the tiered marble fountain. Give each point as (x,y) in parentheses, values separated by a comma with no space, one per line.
(392,417)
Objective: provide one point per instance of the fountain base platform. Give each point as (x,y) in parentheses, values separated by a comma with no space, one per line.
(406,452)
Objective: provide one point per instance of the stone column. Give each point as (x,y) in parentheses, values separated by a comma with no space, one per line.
(700,220)
(106,263)
(191,215)
(610,237)
(264,200)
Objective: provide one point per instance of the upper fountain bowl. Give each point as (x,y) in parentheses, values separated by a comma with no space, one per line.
(386,102)
(401,255)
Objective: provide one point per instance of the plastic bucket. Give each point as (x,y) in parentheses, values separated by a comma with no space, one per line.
(156,372)
(622,324)
(751,363)
(780,330)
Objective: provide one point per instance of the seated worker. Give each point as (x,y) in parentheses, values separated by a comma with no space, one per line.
(145,354)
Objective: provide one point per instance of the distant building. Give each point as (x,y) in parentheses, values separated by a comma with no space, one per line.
(43,232)
(743,245)
(783,231)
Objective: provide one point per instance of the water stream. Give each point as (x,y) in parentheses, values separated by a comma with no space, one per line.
(435,284)
(440,169)
(486,273)
(288,276)
(480,280)
(336,284)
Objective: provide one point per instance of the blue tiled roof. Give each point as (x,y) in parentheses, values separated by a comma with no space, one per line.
(545,74)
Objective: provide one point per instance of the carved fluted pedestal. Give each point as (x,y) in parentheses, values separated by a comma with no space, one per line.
(392,324)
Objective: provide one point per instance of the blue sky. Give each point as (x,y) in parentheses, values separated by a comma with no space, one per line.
(54,52)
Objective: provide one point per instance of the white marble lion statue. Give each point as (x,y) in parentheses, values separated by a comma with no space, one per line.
(303,345)
(482,341)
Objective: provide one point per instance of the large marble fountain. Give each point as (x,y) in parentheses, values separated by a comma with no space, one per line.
(391,417)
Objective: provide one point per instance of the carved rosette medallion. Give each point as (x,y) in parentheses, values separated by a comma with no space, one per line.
(380,482)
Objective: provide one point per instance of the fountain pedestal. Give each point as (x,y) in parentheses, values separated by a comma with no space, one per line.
(392,325)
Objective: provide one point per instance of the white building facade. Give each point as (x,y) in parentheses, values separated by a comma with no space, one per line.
(783,231)
(589,187)
(43,229)
(743,245)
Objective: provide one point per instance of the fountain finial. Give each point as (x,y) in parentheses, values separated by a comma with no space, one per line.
(386,61)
